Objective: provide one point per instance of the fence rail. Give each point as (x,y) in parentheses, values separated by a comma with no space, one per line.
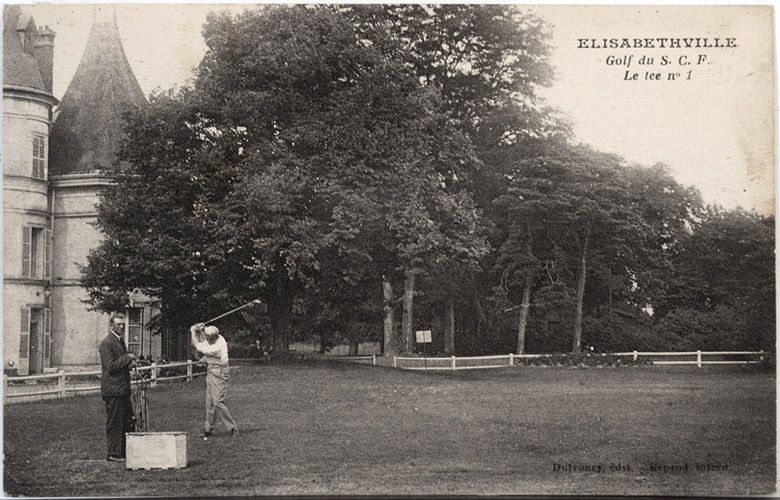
(371,358)
(506,360)
(353,359)
(62,383)
(699,361)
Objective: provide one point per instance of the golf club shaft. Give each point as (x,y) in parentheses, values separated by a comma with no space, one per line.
(230,312)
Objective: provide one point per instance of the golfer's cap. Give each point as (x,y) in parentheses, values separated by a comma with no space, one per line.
(211,331)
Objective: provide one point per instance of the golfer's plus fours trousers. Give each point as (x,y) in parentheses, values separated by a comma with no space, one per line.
(119,414)
(216,392)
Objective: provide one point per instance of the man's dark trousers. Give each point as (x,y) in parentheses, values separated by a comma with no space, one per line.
(115,391)
(119,414)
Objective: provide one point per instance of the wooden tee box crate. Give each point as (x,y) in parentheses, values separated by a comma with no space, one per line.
(156,450)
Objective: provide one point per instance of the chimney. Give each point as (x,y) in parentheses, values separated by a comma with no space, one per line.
(44,54)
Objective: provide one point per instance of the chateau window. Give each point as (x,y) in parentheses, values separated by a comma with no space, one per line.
(36,252)
(39,157)
(24,337)
(135,330)
(35,338)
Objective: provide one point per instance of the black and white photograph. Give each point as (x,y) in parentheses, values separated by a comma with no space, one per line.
(388,249)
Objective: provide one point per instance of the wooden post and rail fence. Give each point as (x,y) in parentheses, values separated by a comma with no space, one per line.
(62,383)
(698,358)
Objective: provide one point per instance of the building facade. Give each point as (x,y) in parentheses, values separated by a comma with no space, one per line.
(56,161)
(27,111)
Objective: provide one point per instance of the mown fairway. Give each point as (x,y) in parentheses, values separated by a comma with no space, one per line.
(331,428)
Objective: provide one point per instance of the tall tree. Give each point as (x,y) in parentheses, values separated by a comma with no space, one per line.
(670,210)
(519,266)
(580,201)
(488,63)
(480,57)
(727,261)
(296,143)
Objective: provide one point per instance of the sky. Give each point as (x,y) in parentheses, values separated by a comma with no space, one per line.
(714,129)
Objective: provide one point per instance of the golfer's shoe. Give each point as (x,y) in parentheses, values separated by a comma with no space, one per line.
(205,435)
(113,458)
(234,433)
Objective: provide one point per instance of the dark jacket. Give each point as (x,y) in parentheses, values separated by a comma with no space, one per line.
(115,362)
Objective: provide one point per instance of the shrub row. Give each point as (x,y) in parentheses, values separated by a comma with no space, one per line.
(584,359)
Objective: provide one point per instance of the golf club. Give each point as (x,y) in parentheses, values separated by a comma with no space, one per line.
(256,301)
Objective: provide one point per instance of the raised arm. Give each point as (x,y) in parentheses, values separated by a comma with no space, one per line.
(196,333)
(208,349)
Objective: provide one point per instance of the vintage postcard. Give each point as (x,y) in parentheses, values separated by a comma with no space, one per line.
(388,249)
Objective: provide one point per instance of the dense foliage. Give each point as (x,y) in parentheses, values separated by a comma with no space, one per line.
(326,158)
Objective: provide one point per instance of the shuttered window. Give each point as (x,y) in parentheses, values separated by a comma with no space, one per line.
(39,157)
(24,334)
(36,252)
(47,255)
(27,252)
(47,337)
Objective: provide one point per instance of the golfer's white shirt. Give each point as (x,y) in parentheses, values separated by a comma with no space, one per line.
(214,354)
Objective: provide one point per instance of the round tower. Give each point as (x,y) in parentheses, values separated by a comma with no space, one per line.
(27,251)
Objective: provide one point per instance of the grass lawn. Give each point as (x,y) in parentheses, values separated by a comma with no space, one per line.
(336,428)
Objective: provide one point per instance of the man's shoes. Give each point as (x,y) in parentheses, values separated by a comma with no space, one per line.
(113,458)
(205,435)
(234,433)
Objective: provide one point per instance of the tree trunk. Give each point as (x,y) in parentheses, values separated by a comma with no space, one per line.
(524,307)
(449,328)
(481,316)
(278,330)
(322,344)
(526,303)
(354,345)
(408,317)
(277,340)
(460,326)
(279,337)
(577,340)
(389,337)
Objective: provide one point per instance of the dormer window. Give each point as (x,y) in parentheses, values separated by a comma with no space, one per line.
(29,40)
(27,34)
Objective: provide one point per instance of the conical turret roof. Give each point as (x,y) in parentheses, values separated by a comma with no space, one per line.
(86,134)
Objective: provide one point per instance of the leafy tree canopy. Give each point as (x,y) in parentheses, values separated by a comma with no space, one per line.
(295,142)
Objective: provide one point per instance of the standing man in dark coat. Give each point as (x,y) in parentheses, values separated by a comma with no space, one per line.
(116,363)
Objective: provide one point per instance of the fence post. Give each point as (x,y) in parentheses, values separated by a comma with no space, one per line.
(698,359)
(511,359)
(61,383)
(189,370)
(373,359)
(452,362)
(154,374)
(636,355)
(395,361)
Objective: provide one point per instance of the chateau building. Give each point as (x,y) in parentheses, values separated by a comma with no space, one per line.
(57,157)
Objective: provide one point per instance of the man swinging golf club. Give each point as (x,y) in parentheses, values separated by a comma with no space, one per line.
(215,352)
